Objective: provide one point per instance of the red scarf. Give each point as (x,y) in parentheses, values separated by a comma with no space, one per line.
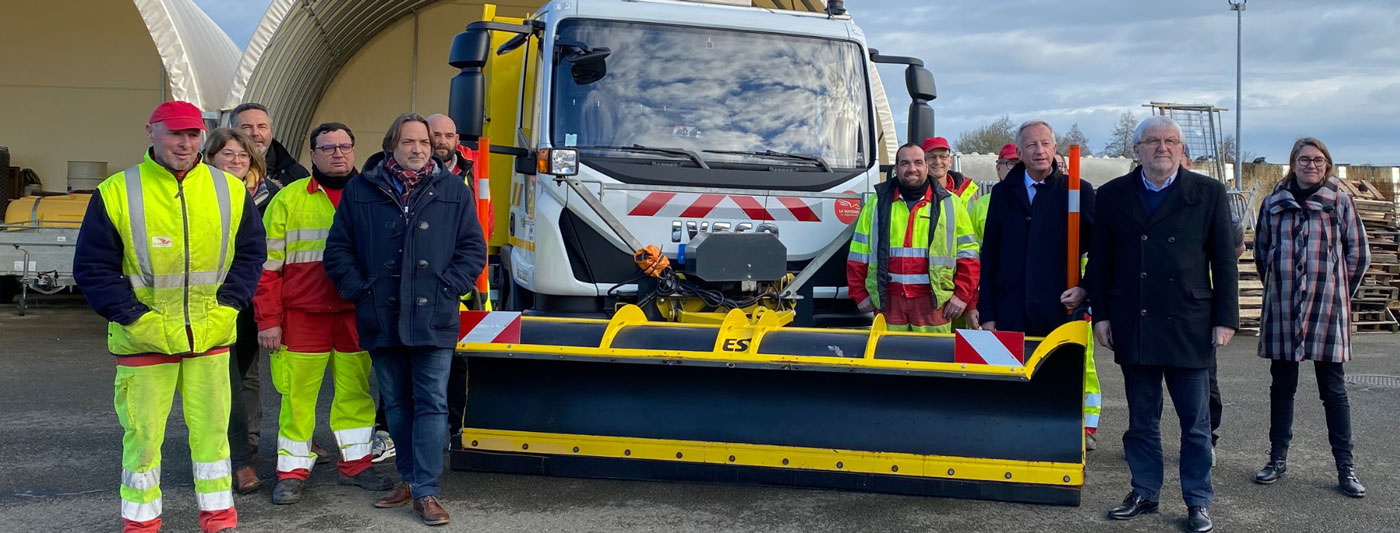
(409,178)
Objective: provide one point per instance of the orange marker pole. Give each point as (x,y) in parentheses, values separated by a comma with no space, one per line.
(481,168)
(1072,258)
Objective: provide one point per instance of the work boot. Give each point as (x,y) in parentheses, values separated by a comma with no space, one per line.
(245,480)
(1278,464)
(431,511)
(1347,482)
(401,495)
(368,479)
(287,491)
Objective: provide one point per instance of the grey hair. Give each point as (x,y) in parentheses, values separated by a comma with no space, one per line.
(1155,121)
(1030,123)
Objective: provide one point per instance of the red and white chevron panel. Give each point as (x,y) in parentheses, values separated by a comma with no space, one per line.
(724,206)
(1002,348)
(485,327)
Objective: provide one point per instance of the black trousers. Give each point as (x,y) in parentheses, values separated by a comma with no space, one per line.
(1217,407)
(242,357)
(1142,443)
(1331,386)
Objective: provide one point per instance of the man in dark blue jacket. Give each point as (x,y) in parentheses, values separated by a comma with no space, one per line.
(1025,241)
(405,246)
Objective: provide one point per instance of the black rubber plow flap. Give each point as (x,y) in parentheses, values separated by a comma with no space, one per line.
(749,402)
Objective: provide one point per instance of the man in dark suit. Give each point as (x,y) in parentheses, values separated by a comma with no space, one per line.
(1025,240)
(1163,279)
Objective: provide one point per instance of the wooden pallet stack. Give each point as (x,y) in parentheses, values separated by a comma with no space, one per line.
(1376,303)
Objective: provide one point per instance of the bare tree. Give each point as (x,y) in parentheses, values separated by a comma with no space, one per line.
(1227,150)
(1120,142)
(988,139)
(1073,136)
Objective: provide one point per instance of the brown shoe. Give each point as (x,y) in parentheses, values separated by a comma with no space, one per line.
(431,511)
(322,456)
(401,495)
(246,481)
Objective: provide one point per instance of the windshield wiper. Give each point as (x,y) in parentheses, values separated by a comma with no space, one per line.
(637,148)
(821,163)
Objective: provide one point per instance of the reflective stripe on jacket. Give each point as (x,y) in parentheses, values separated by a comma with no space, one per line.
(297,220)
(177,240)
(914,255)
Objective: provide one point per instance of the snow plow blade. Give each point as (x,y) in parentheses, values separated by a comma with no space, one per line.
(748,401)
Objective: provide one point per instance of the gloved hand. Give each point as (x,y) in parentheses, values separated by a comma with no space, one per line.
(651,260)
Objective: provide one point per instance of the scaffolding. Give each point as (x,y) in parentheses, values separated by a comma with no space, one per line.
(1201,134)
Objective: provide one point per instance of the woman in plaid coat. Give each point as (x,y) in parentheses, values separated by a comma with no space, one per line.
(1310,249)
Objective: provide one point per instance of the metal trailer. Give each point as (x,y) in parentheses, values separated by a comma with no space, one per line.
(38,258)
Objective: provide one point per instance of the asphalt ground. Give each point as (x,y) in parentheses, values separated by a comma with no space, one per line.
(60,450)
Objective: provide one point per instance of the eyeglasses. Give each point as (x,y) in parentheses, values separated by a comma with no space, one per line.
(329,149)
(940,156)
(230,154)
(1318,162)
(1168,142)
(1006,162)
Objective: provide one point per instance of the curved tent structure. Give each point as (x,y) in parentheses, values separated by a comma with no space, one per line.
(300,48)
(199,58)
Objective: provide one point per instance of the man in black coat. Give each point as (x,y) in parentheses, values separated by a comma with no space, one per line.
(253,119)
(405,245)
(1163,280)
(1025,241)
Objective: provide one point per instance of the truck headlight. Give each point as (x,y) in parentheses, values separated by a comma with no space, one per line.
(558,161)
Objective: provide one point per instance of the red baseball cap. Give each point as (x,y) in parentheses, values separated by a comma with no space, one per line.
(1008,152)
(178,115)
(934,143)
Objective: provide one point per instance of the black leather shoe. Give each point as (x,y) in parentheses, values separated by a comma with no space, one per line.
(1272,471)
(1132,506)
(1199,521)
(1347,482)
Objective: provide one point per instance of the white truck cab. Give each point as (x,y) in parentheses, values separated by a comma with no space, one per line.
(654,122)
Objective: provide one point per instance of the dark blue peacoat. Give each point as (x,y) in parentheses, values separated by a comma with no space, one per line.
(405,267)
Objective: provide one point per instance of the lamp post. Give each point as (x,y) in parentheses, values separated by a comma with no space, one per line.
(1238,7)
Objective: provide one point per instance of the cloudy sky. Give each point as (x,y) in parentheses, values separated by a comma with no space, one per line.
(1329,69)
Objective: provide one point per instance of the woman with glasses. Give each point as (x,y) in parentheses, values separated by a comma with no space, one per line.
(1310,249)
(232,151)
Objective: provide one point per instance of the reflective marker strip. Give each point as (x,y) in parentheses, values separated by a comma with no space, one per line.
(1091,421)
(141,480)
(136,213)
(1093,400)
(989,348)
(483,189)
(212,469)
(141,512)
(225,217)
(1074,201)
(214,501)
(308,234)
(354,443)
(490,327)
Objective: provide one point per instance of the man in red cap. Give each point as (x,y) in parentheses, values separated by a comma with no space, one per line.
(1007,159)
(938,155)
(169,251)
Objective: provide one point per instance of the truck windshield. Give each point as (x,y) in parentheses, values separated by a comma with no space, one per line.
(707,90)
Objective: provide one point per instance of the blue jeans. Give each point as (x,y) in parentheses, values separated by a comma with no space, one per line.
(1142,443)
(413,387)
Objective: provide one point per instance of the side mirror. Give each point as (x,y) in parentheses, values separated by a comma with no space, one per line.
(919,81)
(467,95)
